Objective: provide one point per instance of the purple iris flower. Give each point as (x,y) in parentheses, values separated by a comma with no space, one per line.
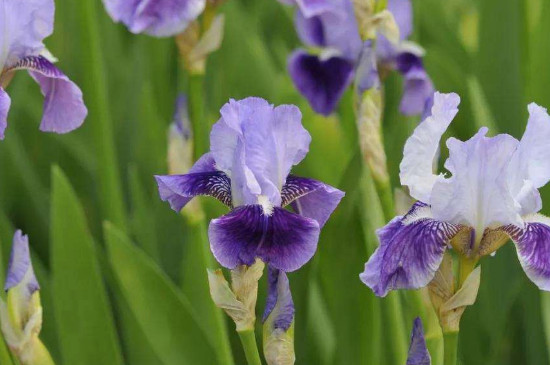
(253,146)
(490,196)
(332,26)
(418,352)
(25,24)
(159,18)
(20,267)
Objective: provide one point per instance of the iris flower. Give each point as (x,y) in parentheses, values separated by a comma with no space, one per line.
(23,27)
(331,26)
(491,195)
(159,18)
(253,147)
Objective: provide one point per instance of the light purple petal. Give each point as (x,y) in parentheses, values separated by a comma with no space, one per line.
(160,18)
(279,301)
(64,109)
(341,31)
(5,103)
(181,119)
(416,169)
(283,239)
(20,266)
(311,198)
(310,30)
(322,82)
(417,93)
(403,15)
(312,8)
(367,69)
(25,24)
(202,179)
(418,351)
(410,252)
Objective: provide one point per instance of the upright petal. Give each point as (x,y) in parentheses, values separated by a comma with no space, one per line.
(321,82)
(403,15)
(421,148)
(25,24)
(366,74)
(20,266)
(418,351)
(5,103)
(312,8)
(311,198)
(310,30)
(279,301)
(64,109)
(202,179)
(410,252)
(284,240)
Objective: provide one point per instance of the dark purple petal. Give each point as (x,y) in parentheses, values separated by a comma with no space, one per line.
(311,198)
(283,239)
(411,249)
(279,300)
(5,103)
(20,266)
(418,352)
(310,30)
(202,179)
(64,109)
(322,82)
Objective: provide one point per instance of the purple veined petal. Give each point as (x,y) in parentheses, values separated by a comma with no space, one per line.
(418,91)
(159,18)
(416,168)
(533,248)
(202,179)
(311,198)
(410,252)
(279,301)
(20,266)
(283,239)
(25,24)
(64,109)
(321,82)
(418,351)
(310,30)
(5,103)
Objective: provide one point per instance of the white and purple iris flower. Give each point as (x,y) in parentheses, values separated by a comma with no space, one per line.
(23,27)
(253,146)
(159,18)
(331,25)
(490,196)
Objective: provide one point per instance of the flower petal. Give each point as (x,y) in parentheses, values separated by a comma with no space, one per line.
(310,30)
(160,18)
(64,109)
(317,7)
(418,351)
(202,179)
(284,240)
(321,82)
(367,76)
(311,198)
(411,249)
(20,266)
(5,103)
(418,88)
(403,15)
(416,169)
(279,301)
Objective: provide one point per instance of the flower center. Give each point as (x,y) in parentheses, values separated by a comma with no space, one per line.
(267,207)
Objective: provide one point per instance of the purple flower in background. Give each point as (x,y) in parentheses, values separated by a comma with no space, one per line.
(491,195)
(20,267)
(418,352)
(25,24)
(332,26)
(159,18)
(253,146)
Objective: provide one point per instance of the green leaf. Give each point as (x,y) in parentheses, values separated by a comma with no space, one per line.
(163,312)
(84,321)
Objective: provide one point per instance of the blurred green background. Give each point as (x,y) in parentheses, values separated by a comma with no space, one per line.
(107,302)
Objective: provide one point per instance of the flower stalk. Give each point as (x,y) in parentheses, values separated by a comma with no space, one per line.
(450,344)
(248,340)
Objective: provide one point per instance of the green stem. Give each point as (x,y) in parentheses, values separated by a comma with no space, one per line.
(450,348)
(383,188)
(197,114)
(110,187)
(395,327)
(248,340)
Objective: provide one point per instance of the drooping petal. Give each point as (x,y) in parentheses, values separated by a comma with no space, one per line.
(477,194)
(533,248)
(418,87)
(311,198)
(5,103)
(416,168)
(25,24)
(64,109)
(410,252)
(279,301)
(322,82)
(160,18)
(20,266)
(284,240)
(418,351)
(202,179)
